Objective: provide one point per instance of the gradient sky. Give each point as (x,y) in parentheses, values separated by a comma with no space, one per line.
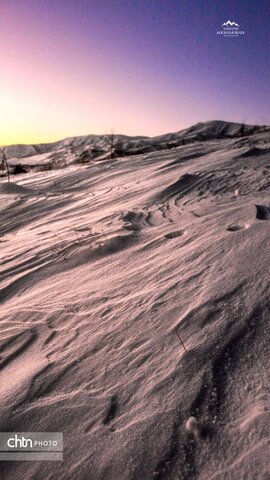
(74,67)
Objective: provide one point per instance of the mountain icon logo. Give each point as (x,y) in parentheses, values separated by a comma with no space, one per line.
(230,29)
(231,24)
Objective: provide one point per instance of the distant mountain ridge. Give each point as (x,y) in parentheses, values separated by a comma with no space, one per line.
(211,129)
(84,149)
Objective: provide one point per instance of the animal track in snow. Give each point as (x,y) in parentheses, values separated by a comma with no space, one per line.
(176,233)
(110,415)
(236,227)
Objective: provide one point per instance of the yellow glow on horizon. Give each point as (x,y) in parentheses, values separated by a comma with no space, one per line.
(43,100)
(42,105)
(27,117)
(46,104)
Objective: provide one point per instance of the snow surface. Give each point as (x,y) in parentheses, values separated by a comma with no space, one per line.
(105,269)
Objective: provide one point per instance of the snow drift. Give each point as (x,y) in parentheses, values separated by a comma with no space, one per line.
(101,265)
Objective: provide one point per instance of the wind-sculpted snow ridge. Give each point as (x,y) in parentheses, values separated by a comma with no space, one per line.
(107,270)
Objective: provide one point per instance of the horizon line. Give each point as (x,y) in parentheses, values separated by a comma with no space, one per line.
(125,135)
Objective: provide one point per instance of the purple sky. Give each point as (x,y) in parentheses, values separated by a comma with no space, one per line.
(73,67)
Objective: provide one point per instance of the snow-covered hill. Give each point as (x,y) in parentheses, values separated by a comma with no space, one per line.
(106,268)
(89,148)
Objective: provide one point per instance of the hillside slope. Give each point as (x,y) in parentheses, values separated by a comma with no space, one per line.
(102,267)
(89,148)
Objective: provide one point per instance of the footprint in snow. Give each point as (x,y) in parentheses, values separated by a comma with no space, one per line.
(112,410)
(176,233)
(236,227)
